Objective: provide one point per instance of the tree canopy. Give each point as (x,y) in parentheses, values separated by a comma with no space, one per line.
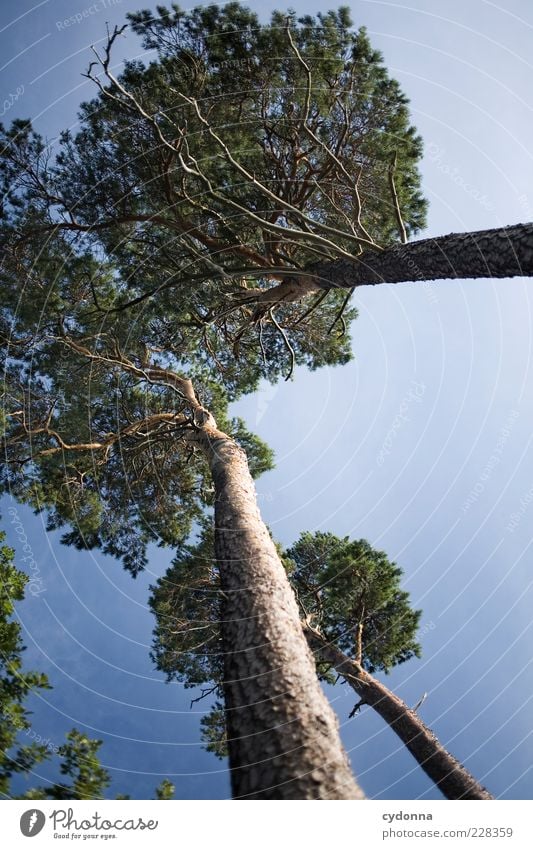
(242,153)
(16,683)
(353,592)
(128,255)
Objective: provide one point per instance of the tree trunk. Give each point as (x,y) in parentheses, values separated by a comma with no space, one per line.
(503,252)
(450,776)
(282,733)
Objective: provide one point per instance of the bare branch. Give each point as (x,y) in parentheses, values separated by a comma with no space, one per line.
(327,150)
(286,342)
(339,316)
(356,708)
(311,309)
(396,202)
(206,691)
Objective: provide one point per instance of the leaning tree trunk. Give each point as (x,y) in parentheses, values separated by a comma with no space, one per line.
(503,252)
(283,738)
(450,776)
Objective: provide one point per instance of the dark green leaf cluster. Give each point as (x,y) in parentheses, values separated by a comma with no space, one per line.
(80,764)
(214,731)
(132,479)
(354,593)
(16,683)
(187,605)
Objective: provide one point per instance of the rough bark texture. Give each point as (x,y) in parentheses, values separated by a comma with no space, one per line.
(450,776)
(283,736)
(503,252)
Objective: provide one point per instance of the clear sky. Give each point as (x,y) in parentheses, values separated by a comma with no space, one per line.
(422,445)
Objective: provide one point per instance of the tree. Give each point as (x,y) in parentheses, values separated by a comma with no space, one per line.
(62,229)
(170,241)
(127,473)
(358,620)
(79,761)
(355,616)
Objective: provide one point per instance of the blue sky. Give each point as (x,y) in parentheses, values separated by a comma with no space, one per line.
(422,444)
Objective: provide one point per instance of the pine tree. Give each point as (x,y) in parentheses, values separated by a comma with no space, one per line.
(164,252)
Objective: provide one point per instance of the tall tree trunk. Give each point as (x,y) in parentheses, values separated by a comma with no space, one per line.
(282,733)
(502,252)
(450,776)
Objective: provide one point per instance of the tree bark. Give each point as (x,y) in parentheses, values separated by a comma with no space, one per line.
(502,252)
(450,776)
(282,733)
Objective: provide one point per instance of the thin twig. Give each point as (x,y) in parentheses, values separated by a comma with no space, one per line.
(396,202)
(312,308)
(206,691)
(356,709)
(286,341)
(261,345)
(339,317)
(420,702)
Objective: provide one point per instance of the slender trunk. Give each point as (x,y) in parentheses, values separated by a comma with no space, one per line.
(502,252)
(282,733)
(450,776)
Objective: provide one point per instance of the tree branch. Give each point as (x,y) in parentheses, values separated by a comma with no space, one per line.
(395,201)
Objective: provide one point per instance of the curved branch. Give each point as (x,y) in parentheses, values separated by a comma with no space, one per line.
(395,201)
(450,776)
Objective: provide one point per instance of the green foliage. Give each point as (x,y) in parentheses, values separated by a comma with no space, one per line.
(84,776)
(148,485)
(253,83)
(186,603)
(165,790)
(194,184)
(16,684)
(353,591)
(149,201)
(80,764)
(214,731)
